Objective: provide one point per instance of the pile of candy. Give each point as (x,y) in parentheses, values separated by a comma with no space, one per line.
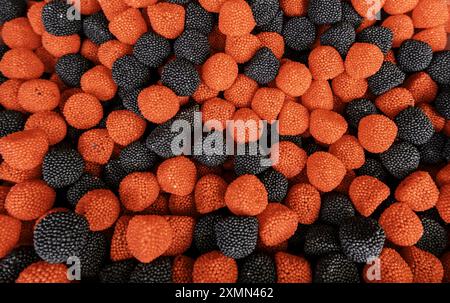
(91,89)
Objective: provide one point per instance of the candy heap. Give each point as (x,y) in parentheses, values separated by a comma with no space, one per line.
(359,190)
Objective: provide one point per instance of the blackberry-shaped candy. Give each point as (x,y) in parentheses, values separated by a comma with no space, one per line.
(388,77)
(275,25)
(439,68)
(372,167)
(414,56)
(321,239)
(275,183)
(113,173)
(70,68)
(341,36)
(128,72)
(180,76)
(117,272)
(192,46)
(434,239)
(299,33)
(431,152)
(336,208)
(16,261)
(379,35)
(60,235)
(446,150)
(95,28)
(158,271)
(61,19)
(312,147)
(401,159)
(179,1)
(137,157)
(207,153)
(129,99)
(442,104)
(336,268)
(322,12)
(362,239)
(263,67)
(357,109)
(250,160)
(197,18)
(93,255)
(414,126)
(237,236)
(10,122)
(12,9)
(297,140)
(85,184)
(350,15)
(205,234)
(264,11)
(152,49)
(257,268)
(62,167)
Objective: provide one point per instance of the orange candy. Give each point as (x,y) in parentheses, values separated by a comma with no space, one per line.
(182,269)
(215,267)
(96,146)
(24,150)
(216,112)
(138,190)
(182,205)
(401,225)
(325,172)
(34,15)
(9,91)
(183,231)
(148,237)
(325,63)
(293,119)
(288,159)
(246,126)
(294,8)
(347,88)
(158,103)
(110,51)
(377,133)
(305,201)
(177,176)
(394,101)
(367,193)
(210,193)
(125,127)
(212,6)
(7,173)
(21,63)
(38,95)
(436,37)
(242,48)
(368,9)
(59,46)
(418,190)
(393,269)
(425,267)
(236,18)
(87,7)
(277,223)
(430,13)
(128,26)
(292,269)
(99,83)
(139,3)
(349,151)
(29,200)
(119,249)
(18,33)
(363,60)
(273,41)
(267,103)
(327,126)
(246,196)
(43,272)
(443,204)
(52,123)
(83,111)
(220,71)
(402,27)
(112,8)
(241,92)
(100,207)
(395,7)
(319,95)
(293,78)
(167,19)
(9,233)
